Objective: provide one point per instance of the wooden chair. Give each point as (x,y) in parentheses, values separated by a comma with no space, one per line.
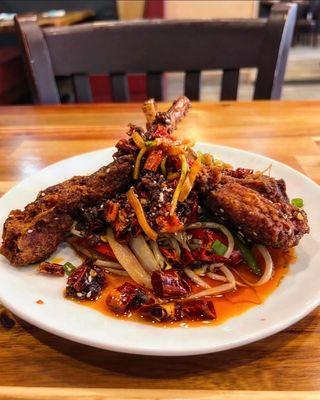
(157,46)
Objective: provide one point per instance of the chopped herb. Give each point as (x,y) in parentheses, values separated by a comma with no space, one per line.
(219,248)
(297,202)
(149,143)
(68,268)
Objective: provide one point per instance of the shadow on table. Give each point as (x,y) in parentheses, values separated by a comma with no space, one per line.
(175,367)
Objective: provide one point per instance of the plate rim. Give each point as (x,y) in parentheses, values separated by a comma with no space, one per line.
(129,349)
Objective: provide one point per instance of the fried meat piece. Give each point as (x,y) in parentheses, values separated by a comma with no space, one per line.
(31,235)
(262,216)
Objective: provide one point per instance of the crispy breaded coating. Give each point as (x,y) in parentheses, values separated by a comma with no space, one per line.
(276,224)
(31,235)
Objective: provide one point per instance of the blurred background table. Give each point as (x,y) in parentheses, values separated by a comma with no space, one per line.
(69,18)
(32,137)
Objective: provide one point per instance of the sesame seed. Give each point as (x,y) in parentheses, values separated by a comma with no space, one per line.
(300,216)
(29,230)
(108,170)
(89,279)
(79,294)
(89,294)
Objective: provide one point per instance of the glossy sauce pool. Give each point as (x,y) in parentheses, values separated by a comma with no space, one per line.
(227,306)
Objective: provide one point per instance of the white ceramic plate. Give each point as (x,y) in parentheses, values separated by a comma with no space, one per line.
(298,294)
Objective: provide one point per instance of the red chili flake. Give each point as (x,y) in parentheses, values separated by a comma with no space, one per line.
(161,131)
(169,224)
(105,249)
(240,173)
(111,211)
(186,257)
(236,257)
(153,160)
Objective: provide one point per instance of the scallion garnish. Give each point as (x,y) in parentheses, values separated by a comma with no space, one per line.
(219,248)
(297,202)
(68,268)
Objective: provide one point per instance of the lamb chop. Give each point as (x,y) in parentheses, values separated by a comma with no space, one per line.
(256,205)
(32,234)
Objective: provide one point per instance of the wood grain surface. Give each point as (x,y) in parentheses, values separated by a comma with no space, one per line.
(33,137)
(37,393)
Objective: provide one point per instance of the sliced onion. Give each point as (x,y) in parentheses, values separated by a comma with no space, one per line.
(217,277)
(200,271)
(215,291)
(228,275)
(219,227)
(157,254)
(197,241)
(215,265)
(220,277)
(175,245)
(194,246)
(75,232)
(128,260)
(195,278)
(144,254)
(107,264)
(268,269)
(117,272)
(182,238)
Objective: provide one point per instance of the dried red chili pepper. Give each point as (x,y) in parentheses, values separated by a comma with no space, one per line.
(166,312)
(126,297)
(169,284)
(198,310)
(51,269)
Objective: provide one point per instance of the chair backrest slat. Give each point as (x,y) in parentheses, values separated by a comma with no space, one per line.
(192,85)
(82,89)
(229,86)
(274,54)
(117,49)
(38,63)
(154,85)
(119,87)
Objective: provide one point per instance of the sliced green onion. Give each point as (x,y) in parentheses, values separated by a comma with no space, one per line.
(297,202)
(219,248)
(248,256)
(149,143)
(68,268)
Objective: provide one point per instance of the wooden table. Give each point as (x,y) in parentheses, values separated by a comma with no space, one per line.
(33,137)
(70,18)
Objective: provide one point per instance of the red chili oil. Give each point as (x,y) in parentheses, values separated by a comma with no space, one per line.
(226,306)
